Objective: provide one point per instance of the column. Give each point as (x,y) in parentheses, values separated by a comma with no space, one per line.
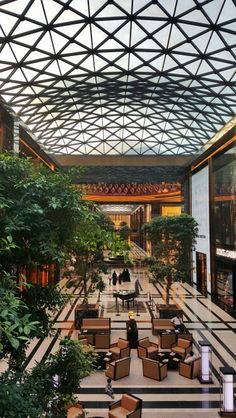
(227,401)
(205,352)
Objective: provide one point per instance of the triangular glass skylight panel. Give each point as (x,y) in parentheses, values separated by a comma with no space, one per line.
(162,36)
(80,5)
(111,10)
(51,9)
(153,11)
(126,5)
(84,37)
(215,43)
(213,12)
(36,12)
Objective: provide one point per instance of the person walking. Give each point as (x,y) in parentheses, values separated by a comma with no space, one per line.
(114,278)
(137,286)
(109,389)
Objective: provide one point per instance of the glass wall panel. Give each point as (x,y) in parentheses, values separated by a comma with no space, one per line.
(224,199)
(224,283)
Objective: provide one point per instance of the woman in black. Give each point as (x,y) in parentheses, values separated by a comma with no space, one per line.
(132,332)
(114,278)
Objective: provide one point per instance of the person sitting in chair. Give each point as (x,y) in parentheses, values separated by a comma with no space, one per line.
(178,322)
(190,357)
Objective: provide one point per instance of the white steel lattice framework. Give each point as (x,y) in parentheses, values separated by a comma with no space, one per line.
(119,77)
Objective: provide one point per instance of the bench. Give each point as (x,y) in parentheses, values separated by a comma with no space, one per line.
(97,331)
(159,325)
(96,325)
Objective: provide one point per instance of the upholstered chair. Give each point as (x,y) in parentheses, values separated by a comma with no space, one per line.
(146,348)
(118,369)
(120,349)
(129,406)
(182,347)
(153,369)
(190,370)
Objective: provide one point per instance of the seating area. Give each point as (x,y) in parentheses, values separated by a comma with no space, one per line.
(140,376)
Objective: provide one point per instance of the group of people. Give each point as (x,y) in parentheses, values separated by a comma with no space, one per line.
(124,276)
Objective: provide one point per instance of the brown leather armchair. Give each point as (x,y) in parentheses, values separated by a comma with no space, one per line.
(129,406)
(76,411)
(118,369)
(153,369)
(120,349)
(146,348)
(182,347)
(190,370)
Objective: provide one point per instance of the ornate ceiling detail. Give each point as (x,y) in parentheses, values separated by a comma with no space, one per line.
(132,189)
(119,77)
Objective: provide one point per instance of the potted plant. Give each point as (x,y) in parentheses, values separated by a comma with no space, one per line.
(172,239)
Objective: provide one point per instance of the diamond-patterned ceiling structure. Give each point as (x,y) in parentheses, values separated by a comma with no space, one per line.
(119,76)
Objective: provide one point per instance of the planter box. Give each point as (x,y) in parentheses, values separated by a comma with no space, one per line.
(85,311)
(168,311)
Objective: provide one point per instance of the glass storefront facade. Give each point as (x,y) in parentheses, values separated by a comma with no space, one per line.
(224,223)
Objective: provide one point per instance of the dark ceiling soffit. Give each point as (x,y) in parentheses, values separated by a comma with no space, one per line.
(32,144)
(214,147)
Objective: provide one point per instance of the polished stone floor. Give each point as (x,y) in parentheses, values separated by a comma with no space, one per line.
(175,396)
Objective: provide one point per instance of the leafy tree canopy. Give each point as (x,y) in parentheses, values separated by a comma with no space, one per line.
(39,208)
(172,239)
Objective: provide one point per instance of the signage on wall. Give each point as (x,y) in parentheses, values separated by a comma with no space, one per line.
(226,253)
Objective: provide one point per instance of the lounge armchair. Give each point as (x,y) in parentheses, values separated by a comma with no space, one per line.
(153,369)
(190,370)
(146,348)
(76,411)
(182,347)
(129,406)
(118,369)
(120,349)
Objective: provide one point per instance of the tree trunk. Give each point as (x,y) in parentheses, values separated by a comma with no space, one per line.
(168,286)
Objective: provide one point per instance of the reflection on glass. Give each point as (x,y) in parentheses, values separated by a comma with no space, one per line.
(224,191)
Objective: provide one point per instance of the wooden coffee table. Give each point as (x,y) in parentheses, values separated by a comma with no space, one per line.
(171,359)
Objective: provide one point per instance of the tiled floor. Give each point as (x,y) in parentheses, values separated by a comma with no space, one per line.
(175,396)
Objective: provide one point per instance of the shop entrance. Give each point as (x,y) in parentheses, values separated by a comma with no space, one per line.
(201,273)
(226,283)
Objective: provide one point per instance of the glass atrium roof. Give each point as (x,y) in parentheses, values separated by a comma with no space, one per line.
(119,76)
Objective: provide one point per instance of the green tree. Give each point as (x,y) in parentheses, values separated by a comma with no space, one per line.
(16,323)
(172,239)
(34,394)
(42,302)
(95,235)
(40,209)
(124,231)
